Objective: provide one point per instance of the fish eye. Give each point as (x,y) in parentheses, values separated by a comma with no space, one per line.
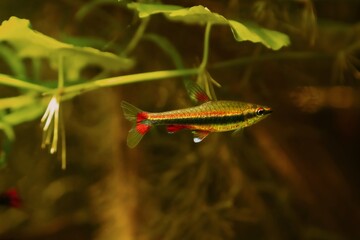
(260,111)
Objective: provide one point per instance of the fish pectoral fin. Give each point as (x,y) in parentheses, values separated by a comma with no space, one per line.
(237,131)
(199,135)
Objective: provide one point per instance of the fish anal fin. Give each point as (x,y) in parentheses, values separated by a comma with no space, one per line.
(199,135)
(174,128)
(136,133)
(142,128)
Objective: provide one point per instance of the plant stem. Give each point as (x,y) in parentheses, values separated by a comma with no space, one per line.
(120,80)
(36,69)
(14,62)
(206,46)
(61,77)
(13,82)
(58,122)
(63,143)
(137,37)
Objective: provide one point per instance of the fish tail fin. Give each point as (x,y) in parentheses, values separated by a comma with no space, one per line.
(141,124)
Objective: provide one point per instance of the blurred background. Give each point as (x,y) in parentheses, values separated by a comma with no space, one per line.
(295,175)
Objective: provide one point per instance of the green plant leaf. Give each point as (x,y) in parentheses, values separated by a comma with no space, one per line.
(32,44)
(251,32)
(6,142)
(18,101)
(8,130)
(196,15)
(93,42)
(25,114)
(145,10)
(23,108)
(14,62)
(202,15)
(27,42)
(76,58)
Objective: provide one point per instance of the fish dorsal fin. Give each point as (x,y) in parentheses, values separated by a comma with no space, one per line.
(196,93)
(199,135)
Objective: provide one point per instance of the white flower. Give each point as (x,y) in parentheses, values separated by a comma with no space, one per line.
(51,122)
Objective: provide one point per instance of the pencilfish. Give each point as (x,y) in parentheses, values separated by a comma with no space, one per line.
(209,116)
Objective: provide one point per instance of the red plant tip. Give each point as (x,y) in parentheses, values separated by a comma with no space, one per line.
(10,198)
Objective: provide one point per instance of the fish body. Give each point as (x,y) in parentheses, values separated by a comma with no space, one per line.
(211,116)
(214,116)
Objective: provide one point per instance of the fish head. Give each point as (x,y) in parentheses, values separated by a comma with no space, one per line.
(262,111)
(257,113)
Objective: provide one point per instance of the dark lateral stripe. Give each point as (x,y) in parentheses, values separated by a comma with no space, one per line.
(206,120)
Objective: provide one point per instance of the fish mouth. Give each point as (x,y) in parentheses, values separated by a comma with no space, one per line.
(267,111)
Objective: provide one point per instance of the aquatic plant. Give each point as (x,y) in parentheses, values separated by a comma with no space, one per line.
(21,42)
(292,176)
